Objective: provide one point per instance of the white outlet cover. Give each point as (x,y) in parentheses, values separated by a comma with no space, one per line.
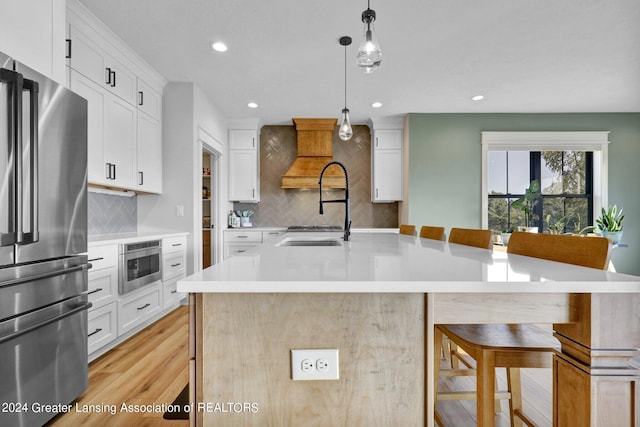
(328,356)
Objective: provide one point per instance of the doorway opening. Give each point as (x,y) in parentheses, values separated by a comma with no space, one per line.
(210,199)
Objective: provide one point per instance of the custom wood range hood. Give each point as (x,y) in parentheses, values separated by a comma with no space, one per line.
(315,150)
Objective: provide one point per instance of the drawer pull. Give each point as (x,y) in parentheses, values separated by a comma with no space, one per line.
(241,251)
(177,244)
(97,259)
(242,237)
(94,291)
(144,306)
(174,291)
(175,265)
(95,332)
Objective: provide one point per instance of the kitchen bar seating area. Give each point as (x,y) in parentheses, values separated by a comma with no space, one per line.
(309,224)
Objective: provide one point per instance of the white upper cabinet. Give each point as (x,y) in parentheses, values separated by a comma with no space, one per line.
(149,101)
(386,168)
(244,165)
(124,105)
(86,57)
(149,177)
(242,139)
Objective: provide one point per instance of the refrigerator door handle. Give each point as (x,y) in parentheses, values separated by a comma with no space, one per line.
(9,236)
(32,235)
(74,310)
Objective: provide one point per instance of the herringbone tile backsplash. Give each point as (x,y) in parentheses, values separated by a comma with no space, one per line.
(107,214)
(281,208)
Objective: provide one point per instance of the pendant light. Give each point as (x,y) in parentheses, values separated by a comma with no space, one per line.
(345,132)
(369,55)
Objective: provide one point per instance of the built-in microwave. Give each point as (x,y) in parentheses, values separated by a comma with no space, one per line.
(140,265)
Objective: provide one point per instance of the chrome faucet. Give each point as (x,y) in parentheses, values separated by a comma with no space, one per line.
(347,215)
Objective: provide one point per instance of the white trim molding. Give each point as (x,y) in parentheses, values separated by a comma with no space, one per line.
(596,141)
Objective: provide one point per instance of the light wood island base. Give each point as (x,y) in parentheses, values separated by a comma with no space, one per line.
(245,356)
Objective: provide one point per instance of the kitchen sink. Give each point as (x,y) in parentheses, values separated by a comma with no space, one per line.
(309,241)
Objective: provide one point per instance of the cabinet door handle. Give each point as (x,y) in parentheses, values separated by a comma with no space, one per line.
(253,142)
(141,176)
(376,141)
(114,171)
(113,82)
(68,56)
(108,171)
(108,77)
(94,291)
(95,332)
(141,98)
(376,192)
(144,306)
(253,192)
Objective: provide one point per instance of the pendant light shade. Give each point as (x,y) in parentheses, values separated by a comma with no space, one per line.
(369,55)
(345,132)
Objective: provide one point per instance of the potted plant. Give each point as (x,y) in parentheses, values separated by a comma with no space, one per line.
(506,234)
(610,223)
(526,204)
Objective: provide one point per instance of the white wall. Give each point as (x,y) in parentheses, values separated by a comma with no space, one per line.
(186,112)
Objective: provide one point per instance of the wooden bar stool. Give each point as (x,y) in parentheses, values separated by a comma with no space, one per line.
(517,346)
(471,237)
(409,230)
(434,233)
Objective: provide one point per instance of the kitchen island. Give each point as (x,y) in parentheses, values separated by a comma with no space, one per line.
(376,298)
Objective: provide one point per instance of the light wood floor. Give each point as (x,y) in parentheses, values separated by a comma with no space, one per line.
(149,368)
(152,367)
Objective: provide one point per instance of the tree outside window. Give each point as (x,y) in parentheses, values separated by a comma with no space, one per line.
(566,183)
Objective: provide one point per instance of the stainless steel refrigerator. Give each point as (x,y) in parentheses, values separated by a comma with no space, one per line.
(43,232)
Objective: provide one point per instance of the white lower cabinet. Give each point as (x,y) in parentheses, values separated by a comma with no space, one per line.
(136,307)
(170,294)
(103,326)
(113,317)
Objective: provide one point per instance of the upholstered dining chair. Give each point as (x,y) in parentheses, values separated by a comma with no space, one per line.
(471,237)
(434,233)
(515,346)
(409,230)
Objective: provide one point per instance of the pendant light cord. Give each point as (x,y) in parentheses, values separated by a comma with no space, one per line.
(345,76)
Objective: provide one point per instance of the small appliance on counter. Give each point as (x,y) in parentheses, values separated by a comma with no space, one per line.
(43,231)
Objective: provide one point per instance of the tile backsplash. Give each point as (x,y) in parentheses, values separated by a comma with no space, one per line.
(282,207)
(109,214)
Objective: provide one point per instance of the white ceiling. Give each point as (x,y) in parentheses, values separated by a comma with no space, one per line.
(522,55)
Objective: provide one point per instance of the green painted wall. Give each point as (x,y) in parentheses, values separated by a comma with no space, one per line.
(445,167)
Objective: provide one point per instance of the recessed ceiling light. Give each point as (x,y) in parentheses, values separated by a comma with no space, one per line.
(376,104)
(477,98)
(219,47)
(252,105)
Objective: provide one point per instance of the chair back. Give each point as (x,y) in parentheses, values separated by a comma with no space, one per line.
(472,237)
(435,233)
(593,252)
(409,230)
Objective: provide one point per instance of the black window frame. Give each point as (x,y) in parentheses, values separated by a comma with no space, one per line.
(535,173)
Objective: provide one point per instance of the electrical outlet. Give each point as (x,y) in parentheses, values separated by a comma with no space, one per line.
(314,364)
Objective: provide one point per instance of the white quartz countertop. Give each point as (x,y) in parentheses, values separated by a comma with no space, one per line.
(393,263)
(108,239)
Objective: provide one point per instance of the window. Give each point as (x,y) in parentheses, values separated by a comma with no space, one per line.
(570,167)
(565,180)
